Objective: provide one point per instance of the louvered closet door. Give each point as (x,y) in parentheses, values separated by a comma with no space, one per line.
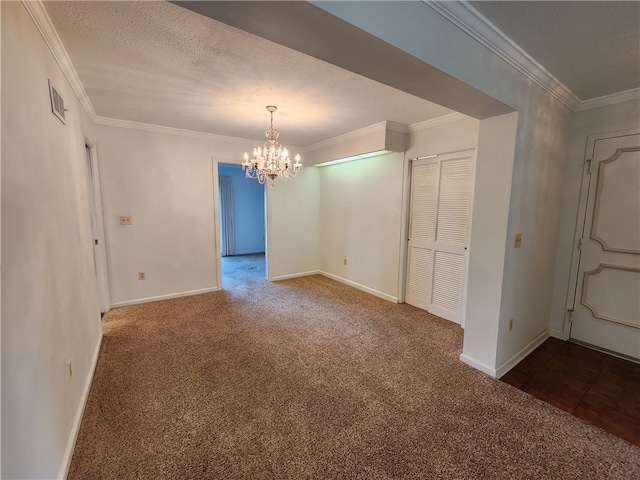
(438,233)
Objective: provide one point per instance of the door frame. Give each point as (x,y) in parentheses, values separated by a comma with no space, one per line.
(217,218)
(405,221)
(581,220)
(95,206)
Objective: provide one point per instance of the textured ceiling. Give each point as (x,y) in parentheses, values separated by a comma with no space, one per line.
(593,48)
(158,63)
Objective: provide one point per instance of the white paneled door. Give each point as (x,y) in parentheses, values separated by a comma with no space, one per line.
(438,233)
(607,300)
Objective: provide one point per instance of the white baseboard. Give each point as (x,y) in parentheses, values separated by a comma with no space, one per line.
(138,301)
(560,335)
(75,428)
(522,354)
(294,275)
(364,288)
(478,365)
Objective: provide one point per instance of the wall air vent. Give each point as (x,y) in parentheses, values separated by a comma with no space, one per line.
(57,104)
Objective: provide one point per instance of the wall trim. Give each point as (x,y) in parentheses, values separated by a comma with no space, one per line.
(295,275)
(520,355)
(460,14)
(397,127)
(41,19)
(149,127)
(473,23)
(559,334)
(376,127)
(620,97)
(476,25)
(43,23)
(361,287)
(75,428)
(434,122)
(169,296)
(464,358)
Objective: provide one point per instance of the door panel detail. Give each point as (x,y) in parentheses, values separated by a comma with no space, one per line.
(615,203)
(606,303)
(605,291)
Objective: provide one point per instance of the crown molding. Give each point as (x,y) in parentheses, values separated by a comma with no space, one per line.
(460,13)
(376,127)
(470,21)
(148,127)
(42,21)
(633,94)
(397,127)
(434,122)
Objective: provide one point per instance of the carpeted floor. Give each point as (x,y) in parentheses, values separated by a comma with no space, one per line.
(317,381)
(239,269)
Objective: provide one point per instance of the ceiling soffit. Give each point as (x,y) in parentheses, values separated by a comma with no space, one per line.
(310,30)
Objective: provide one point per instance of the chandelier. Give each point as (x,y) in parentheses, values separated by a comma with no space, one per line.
(272,159)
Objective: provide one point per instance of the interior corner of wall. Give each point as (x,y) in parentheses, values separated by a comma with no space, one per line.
(478,365)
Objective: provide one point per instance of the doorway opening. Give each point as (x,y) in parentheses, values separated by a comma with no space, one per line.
(242,227)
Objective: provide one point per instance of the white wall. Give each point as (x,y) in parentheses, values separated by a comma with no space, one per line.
(50,307)
(165,182)
(609,119)
(443,137)
(362,214)
(292,226)
(537,189)
(360,220)
(363,208)
(487,246)
(538,166)
(0,277)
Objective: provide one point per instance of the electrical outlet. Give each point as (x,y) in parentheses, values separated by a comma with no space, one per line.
(141,276)
(125,220)
(510,324)
(517,242)
(344,261)
(69,368)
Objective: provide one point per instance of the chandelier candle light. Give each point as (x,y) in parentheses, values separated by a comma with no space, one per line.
(272,159)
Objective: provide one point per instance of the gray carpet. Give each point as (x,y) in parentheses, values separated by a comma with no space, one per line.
(309,378)
(237,270)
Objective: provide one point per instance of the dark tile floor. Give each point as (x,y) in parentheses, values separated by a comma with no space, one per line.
(596,387)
